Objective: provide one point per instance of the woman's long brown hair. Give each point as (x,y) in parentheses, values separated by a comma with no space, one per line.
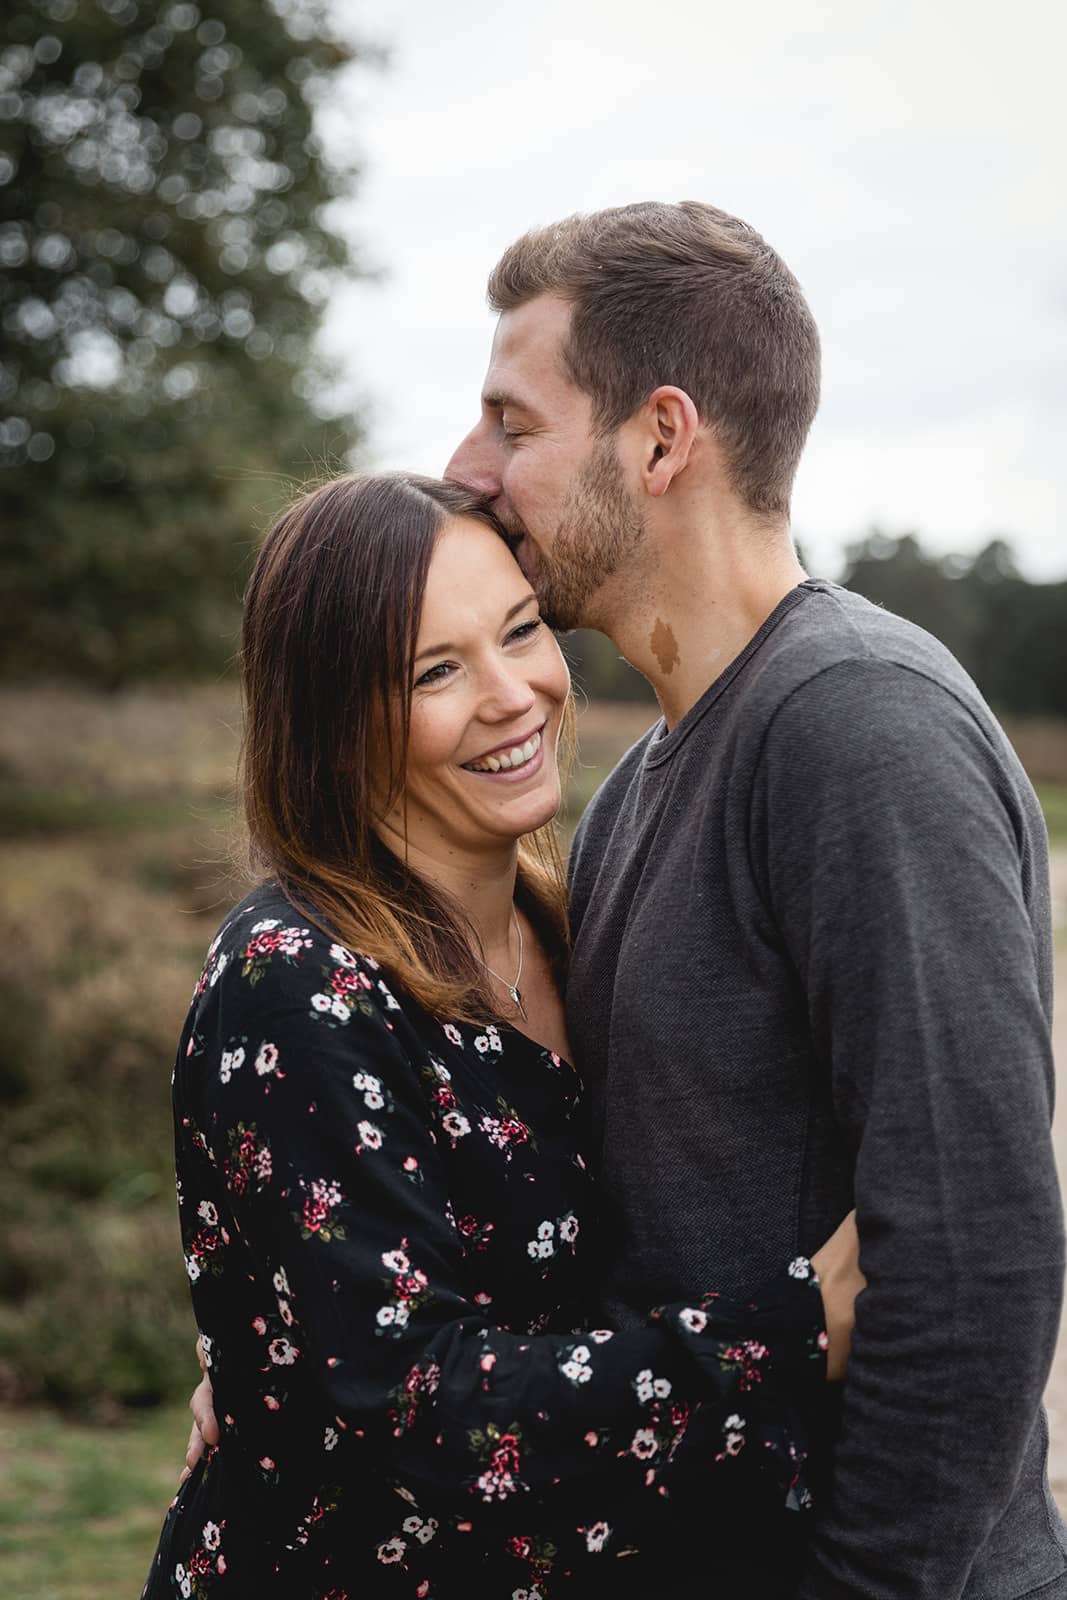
(331,617)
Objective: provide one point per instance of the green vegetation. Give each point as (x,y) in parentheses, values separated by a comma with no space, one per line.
(81,1507)
(166,255)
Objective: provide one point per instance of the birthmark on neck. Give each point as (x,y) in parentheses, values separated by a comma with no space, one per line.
(664,646)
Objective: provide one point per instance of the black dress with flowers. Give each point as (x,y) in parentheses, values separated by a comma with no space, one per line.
(390,1235)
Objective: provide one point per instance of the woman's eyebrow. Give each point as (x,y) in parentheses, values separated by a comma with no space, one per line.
(442,649)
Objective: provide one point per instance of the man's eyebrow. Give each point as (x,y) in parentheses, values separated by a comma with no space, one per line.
(500,400)
(443,649)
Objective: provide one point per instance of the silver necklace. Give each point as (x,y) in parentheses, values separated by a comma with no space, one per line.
(512,988)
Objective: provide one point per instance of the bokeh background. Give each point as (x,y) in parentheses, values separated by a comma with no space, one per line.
(243,244)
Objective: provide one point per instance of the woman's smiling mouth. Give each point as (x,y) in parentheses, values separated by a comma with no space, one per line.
(509,758)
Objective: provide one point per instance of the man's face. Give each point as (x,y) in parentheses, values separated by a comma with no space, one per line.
(554,483)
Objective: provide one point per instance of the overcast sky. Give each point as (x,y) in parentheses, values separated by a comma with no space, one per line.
(906,160)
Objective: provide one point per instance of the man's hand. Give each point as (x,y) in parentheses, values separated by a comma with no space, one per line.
(205,1430)
(840,1279)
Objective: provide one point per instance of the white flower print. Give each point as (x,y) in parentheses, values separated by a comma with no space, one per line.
(206,1210)
(391,1003)
(339,1010)
(207,1345)
(453,1033)
(184,1582)
(231,1060)
(596,1536)
(192,1267)
(370,1136)
(601,1335)
(343,957)
(568,1228)
(321,1002)
(800,1268)
(576,1372)
(281,1282)
(545,1230)
(216,973)
(266,925)
(330,1438)
(396,1261)
(386,1316)
(282,1353)
(493,1035)
(267,1059)
(455,1124)
(644,1444)
(212,1536)
(643,1385)
(692,1320)
(481,1043)
(392,1551)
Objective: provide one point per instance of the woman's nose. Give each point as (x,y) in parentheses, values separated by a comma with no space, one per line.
(507,694)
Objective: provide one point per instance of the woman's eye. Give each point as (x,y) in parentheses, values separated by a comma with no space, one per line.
(525,630)
(436,674)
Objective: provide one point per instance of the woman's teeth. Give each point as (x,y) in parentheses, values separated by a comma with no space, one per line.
(507,760)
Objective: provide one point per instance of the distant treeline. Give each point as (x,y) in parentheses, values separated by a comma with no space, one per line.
(1009,633)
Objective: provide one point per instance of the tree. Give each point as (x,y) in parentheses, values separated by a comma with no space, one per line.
(166,255)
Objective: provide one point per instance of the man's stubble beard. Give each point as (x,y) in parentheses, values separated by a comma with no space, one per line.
(599,529)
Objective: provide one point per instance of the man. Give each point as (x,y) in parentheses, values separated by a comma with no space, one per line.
(812,956)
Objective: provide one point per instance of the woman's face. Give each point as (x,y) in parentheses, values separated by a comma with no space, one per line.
(489,688)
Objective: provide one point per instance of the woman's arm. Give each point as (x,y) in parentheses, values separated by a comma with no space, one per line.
(348,1209)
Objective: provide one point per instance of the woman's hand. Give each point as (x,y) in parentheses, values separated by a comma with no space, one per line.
(840,1278)
(205,1430)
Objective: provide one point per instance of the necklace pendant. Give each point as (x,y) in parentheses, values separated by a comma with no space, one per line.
(517,997)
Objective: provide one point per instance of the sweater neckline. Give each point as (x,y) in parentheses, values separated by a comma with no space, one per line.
(663,744)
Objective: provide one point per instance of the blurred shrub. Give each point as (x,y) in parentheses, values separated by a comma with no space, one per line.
(104,932)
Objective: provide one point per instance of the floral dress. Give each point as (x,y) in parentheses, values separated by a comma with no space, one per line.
(390,1235)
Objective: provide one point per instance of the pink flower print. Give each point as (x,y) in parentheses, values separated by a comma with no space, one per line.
(596,1537)
(322,1200)
(260,1325)
(502,1475)
(282,1353)
(392,1551)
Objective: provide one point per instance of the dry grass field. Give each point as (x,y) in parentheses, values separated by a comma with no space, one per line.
(118,855)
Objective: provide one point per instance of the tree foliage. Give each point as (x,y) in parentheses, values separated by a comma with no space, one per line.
(165,259)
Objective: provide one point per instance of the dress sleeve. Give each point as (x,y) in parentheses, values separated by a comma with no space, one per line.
(330,1170)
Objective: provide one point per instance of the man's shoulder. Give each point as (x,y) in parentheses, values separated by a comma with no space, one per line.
(835,627)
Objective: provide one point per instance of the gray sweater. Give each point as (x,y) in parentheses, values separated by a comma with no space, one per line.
(812,968)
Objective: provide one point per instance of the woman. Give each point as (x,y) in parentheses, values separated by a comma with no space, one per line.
(388,1223)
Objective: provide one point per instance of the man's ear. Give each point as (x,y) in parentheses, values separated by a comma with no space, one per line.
(670,426)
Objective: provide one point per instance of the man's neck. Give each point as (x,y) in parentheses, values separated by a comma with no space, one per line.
(683,623)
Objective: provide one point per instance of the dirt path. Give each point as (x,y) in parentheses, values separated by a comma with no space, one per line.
(1056,1393)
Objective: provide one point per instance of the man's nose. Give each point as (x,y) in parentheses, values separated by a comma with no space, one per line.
(473,465)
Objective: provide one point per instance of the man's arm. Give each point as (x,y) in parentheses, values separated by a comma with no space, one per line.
(894,839)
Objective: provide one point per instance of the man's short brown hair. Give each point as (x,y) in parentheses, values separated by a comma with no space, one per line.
(684,295)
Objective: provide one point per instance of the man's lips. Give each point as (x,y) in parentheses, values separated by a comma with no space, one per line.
(509,756)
